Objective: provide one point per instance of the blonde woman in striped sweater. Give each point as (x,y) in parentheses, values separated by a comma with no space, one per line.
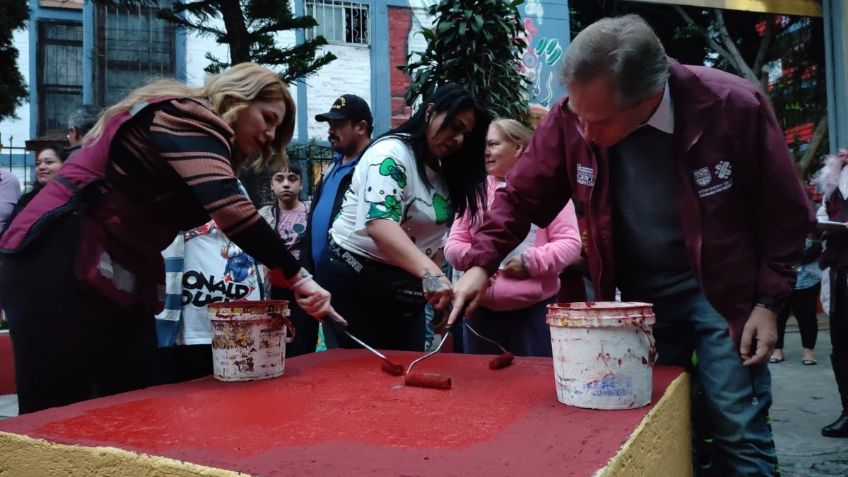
(81,273)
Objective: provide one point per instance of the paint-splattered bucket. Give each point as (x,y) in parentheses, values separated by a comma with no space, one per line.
(603,353)
(249,339)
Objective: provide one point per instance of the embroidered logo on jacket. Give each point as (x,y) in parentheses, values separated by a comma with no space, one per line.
(585,176)
(722,170)
(702,176)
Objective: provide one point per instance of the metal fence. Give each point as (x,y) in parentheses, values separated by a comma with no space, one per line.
(312,160)
(16,159)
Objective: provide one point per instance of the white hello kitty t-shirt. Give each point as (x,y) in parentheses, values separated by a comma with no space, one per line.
(386,185)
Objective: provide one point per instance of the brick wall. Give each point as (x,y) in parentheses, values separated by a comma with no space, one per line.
(349,74)
(400,25)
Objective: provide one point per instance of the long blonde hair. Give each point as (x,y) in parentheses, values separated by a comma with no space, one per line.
(513,131)
(227,93)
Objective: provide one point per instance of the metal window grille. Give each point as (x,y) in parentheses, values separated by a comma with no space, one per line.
(339,22)
(59,75)
(132,47)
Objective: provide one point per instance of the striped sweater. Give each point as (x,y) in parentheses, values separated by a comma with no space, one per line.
(176,156)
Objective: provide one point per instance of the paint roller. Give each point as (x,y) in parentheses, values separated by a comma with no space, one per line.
(498,362)
(340,324)
(428,380)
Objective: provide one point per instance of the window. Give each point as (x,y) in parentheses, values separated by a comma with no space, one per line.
(132,46)
(339,22)
(59,71)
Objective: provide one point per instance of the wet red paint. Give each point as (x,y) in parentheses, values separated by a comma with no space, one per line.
(335,413)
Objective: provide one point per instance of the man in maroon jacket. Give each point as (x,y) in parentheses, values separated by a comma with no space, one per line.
(691,202)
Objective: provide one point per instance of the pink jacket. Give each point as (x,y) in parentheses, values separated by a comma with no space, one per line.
(556,246)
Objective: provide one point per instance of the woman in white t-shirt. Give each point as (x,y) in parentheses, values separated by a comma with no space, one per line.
(386,243)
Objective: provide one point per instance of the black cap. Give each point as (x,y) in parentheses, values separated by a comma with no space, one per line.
(348,106)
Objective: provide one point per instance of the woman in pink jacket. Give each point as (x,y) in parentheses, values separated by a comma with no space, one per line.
(512,312)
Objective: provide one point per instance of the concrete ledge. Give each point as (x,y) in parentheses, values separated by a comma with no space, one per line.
(24,457)
(662,444)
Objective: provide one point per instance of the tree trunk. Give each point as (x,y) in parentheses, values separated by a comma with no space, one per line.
(237,35)
(815,143)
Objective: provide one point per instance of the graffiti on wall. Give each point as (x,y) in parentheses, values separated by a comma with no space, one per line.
(547,37)
(546,43)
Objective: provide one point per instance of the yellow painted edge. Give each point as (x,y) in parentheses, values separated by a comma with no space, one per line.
(24,456)
(804,8)
(662,444)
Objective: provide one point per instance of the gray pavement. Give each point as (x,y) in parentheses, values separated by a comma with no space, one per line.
(805,400)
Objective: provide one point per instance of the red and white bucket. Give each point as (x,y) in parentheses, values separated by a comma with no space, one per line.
(603,353)
(249,339)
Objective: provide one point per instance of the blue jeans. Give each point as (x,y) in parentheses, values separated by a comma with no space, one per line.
(736,399)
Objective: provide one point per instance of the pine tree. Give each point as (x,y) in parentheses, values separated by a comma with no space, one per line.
(249,29)
(13,91)
(478,44)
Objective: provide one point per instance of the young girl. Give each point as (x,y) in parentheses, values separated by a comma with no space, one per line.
(288,217)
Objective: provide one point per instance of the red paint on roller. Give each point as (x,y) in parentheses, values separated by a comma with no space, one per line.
(428,380)
(392,369)
(502,361)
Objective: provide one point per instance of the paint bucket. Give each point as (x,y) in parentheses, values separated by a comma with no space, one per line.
(603,353)
(249,339)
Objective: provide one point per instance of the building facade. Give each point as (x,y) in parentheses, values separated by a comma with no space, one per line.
(74,53)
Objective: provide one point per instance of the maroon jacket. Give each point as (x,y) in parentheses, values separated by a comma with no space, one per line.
(742,208)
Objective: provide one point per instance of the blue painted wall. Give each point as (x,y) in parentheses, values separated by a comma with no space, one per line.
(549,35)
(836,47)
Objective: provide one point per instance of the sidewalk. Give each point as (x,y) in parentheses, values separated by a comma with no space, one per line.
(805,400)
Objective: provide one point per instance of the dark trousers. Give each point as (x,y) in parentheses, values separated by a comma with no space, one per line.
(377,310)
(523,332)
(184,362)
(306,327)
(838,315)
(802,303)
(70,343)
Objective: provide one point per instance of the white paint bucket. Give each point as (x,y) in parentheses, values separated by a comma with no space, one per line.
(603,353)
(249,339)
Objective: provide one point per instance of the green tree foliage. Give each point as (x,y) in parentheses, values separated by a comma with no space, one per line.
(478,44)
(13,91)
(249,30)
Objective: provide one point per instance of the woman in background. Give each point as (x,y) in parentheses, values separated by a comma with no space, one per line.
(513,309)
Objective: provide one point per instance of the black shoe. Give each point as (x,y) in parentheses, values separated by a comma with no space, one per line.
(837,429)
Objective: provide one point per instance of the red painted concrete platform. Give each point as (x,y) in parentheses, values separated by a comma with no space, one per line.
(336,413)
